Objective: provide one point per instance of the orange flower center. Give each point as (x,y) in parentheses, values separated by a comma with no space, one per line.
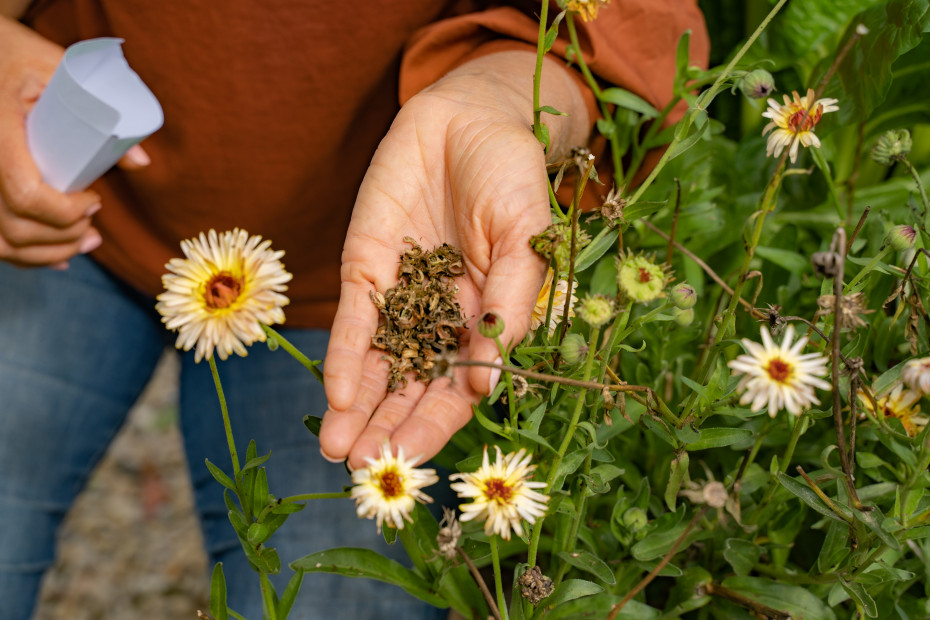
(497,489)
(391,484)
(222,290)
(802,121)
(778,370)
(644,275)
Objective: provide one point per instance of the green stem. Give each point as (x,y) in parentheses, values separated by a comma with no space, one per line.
(309,364)
(293,499)
(537,75)
(268,596)
(865,270)
(508,377)
(800,425)
(498,581)
(233,455)
(920,186)
(576,522)
(566,441)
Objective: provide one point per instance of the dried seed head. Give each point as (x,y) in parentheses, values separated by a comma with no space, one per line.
(612,209)
(714,494)
(595,310)
(826,264)
(450,531)
(535,585)
(520,386)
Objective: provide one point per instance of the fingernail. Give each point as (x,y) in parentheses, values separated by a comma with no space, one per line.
(495,376)
(62,266)
(92,209)
(138,156)
(90,243)
(329,458)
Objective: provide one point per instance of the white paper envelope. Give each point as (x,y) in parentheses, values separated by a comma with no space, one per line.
(92,111)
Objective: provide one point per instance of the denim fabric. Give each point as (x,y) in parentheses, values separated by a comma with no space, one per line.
(76,349)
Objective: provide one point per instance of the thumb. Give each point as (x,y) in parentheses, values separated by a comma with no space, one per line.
(134,159)
(510,292)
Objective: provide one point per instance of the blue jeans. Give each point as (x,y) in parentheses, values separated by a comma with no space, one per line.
(76,349)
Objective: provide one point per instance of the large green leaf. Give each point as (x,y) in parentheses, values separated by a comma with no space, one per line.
(797,601)
(355,562)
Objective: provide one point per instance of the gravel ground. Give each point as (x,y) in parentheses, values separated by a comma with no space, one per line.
(131,546)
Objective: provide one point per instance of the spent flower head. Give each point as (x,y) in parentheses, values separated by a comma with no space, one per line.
(779,376)
(852,309)
(387,488)
(220,294)
(595,310)
(587,9)
(893,146)
(502,493)
(794,121)
(640,278)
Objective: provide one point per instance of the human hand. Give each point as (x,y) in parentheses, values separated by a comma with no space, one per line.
(38,225)
(460,165)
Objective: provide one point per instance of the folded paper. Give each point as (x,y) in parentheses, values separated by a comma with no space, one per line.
(91,112)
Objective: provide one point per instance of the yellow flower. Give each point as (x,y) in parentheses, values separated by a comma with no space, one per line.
(502,493)
(219,295)
(558,303)
(640,279)
(794,123)
(779,376)
(901,404)
(388,487)
(586,8)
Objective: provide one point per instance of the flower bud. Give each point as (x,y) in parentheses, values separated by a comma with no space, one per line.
(757,84)
(901,237)
(893,145)
(683,316)
(595,310)
(635,519)
(683,296)
(490,325)
(574,348)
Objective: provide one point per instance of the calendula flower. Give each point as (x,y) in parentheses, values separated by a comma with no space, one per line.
(388,488)
(779,376)
(502,494)
(794,122)
(558,303)
(587,9)
(640,278)
(901,404)
(916,375)
(219,295)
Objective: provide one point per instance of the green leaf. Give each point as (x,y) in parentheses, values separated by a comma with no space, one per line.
(548,109)
(571,589)
(255,462)
(626,99)
(220,477)
(786,259)
(542,134)
(866,74)
(809,497)
(290,594)
(668,528)
(355,562)
(871,519)
(596,249)
(719,437)
(313,424)
(742,555)
(642,209)
(218,594)
(599,605)
(858,593)
(677,473)
(681,55)
(590,563)
(795,600)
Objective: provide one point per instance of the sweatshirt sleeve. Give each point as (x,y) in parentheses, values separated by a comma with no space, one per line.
(630,44)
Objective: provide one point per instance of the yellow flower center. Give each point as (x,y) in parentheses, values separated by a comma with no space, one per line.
(778,370)
(391,484)
(222,290)
(498,490)
(801,121)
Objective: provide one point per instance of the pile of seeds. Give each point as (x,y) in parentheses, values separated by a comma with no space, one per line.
(420,317)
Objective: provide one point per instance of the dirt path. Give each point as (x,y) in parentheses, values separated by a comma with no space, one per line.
(131,548)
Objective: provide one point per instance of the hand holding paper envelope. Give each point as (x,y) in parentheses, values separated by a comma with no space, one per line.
(91,112)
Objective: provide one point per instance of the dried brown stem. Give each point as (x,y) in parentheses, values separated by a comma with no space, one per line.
(492,604)
(858,227)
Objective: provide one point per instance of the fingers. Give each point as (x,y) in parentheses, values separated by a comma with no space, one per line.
(510,291)
(134,159)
